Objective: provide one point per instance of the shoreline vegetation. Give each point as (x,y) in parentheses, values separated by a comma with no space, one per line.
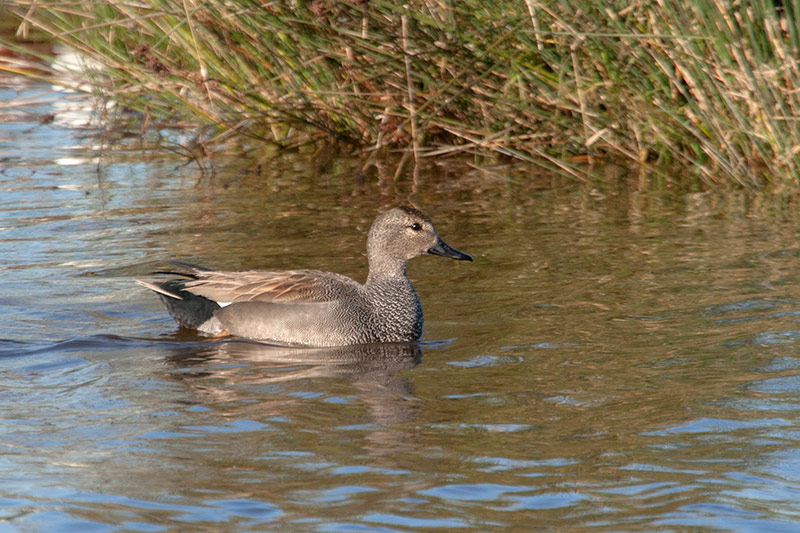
(709,87)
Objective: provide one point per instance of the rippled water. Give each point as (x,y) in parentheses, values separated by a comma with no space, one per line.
(611,361)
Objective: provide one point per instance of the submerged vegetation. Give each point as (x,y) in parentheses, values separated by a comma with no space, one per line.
(710,86)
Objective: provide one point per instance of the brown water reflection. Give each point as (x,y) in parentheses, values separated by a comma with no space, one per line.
(226,369)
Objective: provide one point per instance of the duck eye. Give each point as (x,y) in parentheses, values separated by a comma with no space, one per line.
(415,226)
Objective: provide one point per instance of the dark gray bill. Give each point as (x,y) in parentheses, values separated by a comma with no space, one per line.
(445,250)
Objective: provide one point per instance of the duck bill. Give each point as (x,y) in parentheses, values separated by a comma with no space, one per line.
(445,250)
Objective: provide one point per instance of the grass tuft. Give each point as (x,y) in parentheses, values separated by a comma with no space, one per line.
(706,85)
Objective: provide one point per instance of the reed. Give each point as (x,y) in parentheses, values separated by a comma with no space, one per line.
(704,85)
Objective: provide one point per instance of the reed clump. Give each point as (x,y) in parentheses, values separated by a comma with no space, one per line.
(708,86)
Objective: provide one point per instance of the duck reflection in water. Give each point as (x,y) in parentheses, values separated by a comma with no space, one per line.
(235,370)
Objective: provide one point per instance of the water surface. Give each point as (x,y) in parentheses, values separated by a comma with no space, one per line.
(612,360)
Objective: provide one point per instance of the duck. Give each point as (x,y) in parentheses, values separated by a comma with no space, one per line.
(313,308)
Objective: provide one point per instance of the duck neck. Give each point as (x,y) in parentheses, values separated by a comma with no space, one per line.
(395,304)
(386,270)
(388,282)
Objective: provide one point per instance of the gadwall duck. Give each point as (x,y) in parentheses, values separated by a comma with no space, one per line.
(311,307)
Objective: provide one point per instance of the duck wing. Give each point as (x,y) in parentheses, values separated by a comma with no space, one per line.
(296,286)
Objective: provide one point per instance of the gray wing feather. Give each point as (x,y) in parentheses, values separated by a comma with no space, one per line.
(309,286)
